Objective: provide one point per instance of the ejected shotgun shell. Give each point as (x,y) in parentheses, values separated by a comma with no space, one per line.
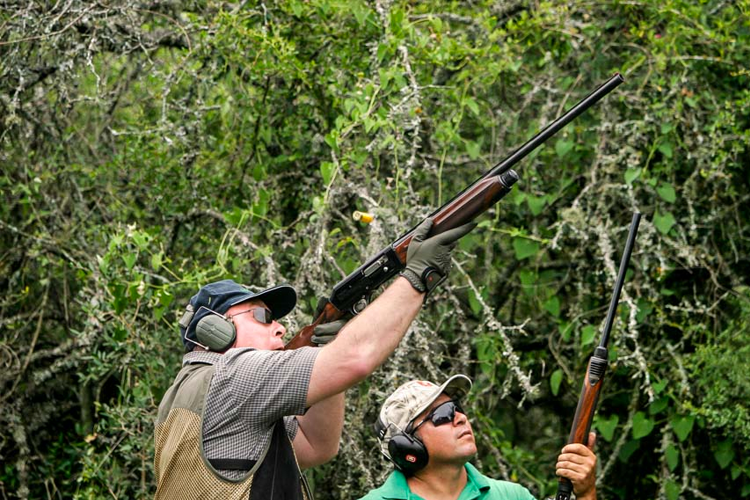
(364,217)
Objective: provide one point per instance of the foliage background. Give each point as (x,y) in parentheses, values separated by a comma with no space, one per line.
(148,148)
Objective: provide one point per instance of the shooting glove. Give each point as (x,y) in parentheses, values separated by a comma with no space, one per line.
(326,332)
(428,260)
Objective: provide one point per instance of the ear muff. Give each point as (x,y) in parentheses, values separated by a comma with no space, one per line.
(408,453)
(215,332)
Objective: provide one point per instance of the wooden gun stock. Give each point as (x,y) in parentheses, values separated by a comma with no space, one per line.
(464,208)
(592,386)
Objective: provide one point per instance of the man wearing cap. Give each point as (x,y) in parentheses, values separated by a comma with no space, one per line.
(424,431)
(244,415)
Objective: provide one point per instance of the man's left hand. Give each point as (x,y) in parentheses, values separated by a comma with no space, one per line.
(326,332)
(578,463)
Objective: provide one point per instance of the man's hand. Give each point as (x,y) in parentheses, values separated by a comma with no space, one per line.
(326,332)
(428,260)
(578,463)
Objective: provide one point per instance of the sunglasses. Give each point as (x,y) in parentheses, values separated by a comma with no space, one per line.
(441,414)
(261,315)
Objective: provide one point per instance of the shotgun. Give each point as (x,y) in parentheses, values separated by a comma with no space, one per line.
(592,383)
(352,294)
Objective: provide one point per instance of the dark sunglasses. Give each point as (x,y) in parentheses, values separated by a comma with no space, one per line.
(441,414)
(261,315)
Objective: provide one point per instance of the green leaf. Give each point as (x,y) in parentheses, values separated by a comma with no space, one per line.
(525,248)
(474,303)
(156,260)
(437,24)
(486,356)
(563,147)
(555,380)
(332,140)
(672,456)
(587,335)
(632,174)
(141,240)
(666,149)
(667,192)
(473,149)
(360,13)
(664,222)
(552,305)
(736,471)
(644,309)
(724,453)
(659,386)
(383,51)
(326,170)
(472,105)
(385,77)
(260,207)
(259,172)
(318,204)
(129,259)
(658,405)
(397,19)
(565,330)
(671,490)
(745,490)
(536,203)
(642,425)
(119,334)
(628,449)
(607,426)
(682,425)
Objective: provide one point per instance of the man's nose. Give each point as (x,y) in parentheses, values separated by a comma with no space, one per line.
(279,329)
(459,418)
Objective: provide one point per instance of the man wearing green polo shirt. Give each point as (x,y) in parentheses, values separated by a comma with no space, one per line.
(424,431)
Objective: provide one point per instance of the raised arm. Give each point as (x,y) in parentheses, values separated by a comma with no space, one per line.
(367,340)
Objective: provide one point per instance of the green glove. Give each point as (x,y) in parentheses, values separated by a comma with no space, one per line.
(428,260)
(326,332)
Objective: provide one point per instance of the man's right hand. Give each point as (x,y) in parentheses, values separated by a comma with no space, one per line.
(428,260)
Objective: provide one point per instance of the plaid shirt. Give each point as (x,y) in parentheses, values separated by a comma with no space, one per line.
(249,392)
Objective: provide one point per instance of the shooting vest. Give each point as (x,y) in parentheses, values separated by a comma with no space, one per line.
(184,473)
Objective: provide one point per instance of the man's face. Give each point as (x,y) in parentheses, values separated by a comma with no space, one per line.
(253,333)
(451,443)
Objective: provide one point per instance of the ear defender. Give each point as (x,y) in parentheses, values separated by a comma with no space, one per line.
(408,453)
(215,332)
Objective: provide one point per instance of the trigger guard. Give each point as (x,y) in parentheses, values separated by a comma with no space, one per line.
(359,306)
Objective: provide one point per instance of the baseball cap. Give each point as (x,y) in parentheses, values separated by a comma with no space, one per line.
(221,295)
(410,400)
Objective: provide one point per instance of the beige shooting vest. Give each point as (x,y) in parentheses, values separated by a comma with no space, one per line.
(184,473)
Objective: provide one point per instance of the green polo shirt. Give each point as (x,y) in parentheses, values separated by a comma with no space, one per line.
(478,487)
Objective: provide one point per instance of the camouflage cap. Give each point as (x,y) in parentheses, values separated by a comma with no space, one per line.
(410,400)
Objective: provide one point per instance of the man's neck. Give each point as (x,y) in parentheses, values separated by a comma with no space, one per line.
(443,482)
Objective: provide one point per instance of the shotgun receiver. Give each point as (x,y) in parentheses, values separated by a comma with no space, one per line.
(592,384)
(352,294)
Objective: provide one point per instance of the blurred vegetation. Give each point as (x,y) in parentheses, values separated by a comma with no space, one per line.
(149,148)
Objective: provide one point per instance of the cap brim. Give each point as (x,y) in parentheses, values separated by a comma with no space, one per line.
(280,299)
(456,387)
